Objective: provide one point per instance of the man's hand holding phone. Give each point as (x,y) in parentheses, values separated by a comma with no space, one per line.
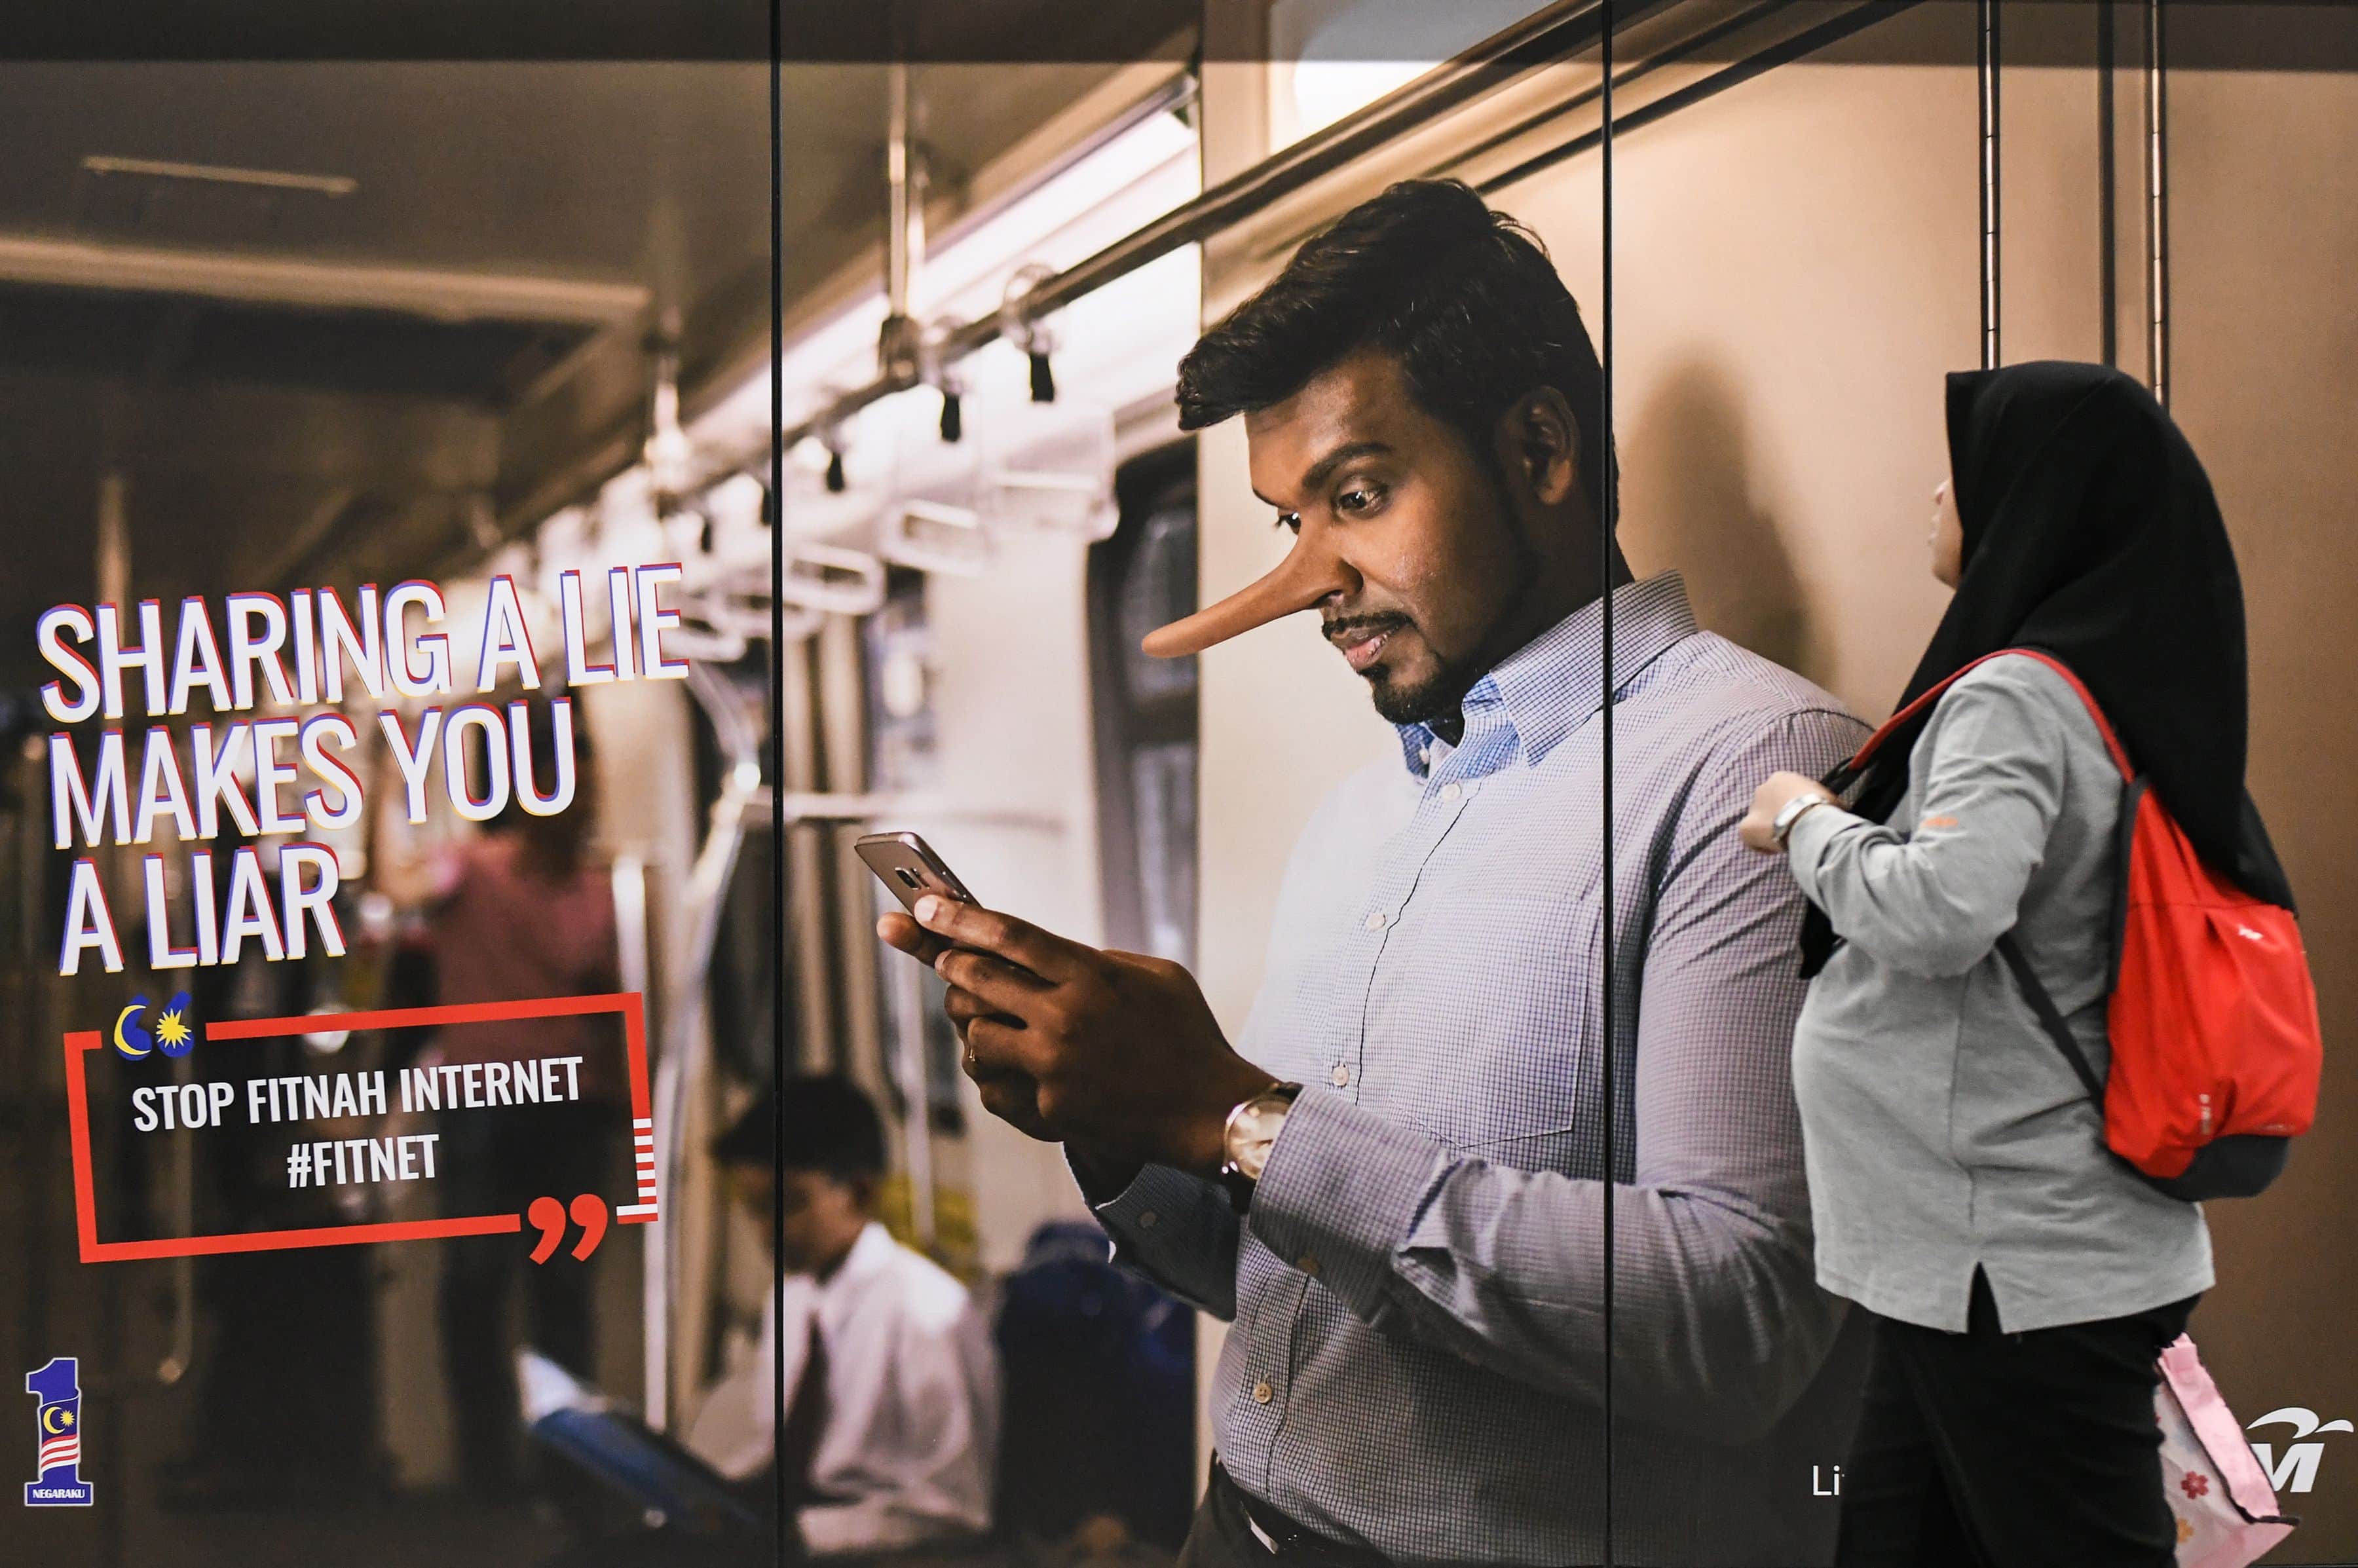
(1116,1052)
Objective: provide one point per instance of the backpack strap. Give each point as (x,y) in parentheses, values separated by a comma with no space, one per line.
(2104,726)
(2049,1016)
(1865,754)
(1924,699)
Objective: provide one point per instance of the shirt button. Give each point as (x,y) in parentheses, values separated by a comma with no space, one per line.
(1340,1075)
(1426,756)
(1263,1393)
(1450,792)
(1375,920)
(1309,1264)
(1146,1221)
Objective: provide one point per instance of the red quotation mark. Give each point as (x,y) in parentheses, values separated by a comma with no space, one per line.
(548,1216)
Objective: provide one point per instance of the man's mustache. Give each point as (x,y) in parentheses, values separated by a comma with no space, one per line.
(1344,626)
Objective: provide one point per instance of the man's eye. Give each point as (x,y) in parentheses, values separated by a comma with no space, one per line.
(1289,521)
(1358,498)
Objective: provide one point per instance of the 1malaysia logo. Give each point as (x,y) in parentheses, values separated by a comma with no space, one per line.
(57,1440)
(174,1035)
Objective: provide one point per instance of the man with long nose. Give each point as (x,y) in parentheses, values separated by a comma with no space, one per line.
(1394,1181)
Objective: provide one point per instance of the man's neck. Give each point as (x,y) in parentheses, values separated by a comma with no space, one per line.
(1449,725)
(833,1265)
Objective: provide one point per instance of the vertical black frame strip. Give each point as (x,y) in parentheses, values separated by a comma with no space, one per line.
(1605,560)
(784,1521)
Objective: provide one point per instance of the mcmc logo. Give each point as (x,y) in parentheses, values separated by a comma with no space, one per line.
(57,1423)
(2297,1472)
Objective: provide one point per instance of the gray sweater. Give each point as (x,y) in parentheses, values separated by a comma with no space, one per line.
(1941,1128)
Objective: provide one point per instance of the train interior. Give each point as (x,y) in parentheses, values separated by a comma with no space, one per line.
(311,327)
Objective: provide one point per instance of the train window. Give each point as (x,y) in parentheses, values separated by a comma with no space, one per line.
(1140,579)
(897,651)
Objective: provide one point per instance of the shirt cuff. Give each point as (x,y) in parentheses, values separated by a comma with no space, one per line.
(1339,1193)
(1164,1214)
(1806,841)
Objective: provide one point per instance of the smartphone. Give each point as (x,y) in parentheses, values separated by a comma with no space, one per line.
(905,863)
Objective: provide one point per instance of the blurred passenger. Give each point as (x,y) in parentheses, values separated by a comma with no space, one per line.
(891,1391)
(526,916)
(2022,1279)
(294,1331)
(1395,1182)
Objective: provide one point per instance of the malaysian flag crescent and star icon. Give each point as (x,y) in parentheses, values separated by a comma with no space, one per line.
(57,1425)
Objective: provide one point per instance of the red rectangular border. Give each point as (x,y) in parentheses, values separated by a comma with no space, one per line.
(630,1005)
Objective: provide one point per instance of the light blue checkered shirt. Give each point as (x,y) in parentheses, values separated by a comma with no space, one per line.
(1418,1357)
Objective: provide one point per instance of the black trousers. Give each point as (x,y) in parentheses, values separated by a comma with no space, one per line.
(1222,1536)
(1992,1450)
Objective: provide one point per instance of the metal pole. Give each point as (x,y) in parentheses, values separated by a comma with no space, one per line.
(897,359)
(896,187)
(1985,46)
(917,1097)
(2157,205)
(2107,197)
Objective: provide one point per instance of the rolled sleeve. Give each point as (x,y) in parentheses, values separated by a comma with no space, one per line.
(1340,1195)
(1179,1231)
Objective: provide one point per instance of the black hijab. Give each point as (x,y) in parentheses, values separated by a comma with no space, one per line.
(2091,533)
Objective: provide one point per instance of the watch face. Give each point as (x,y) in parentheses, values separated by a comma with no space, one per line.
(1252,1129)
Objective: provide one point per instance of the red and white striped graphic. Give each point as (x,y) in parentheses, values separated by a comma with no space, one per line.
(642,1150)
(62,1450)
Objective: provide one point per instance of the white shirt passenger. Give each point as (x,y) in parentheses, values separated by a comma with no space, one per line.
(912,1402)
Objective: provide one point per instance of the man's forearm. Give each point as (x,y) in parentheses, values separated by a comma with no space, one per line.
(1719,1323)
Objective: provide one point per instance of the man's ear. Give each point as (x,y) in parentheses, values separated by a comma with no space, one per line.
(1540,446)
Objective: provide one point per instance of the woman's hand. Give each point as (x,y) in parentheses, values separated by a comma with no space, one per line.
(1775,793)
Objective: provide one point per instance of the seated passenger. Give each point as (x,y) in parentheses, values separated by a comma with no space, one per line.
(891,1392)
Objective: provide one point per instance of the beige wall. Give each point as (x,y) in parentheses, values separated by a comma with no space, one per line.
(2265,364)
(1795,269)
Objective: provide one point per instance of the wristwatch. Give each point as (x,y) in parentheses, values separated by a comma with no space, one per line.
(1792,813)
(1245,1141)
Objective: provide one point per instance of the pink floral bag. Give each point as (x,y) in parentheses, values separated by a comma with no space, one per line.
(2225,1507)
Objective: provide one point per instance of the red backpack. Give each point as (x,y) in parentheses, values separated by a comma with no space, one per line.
(2216,1051)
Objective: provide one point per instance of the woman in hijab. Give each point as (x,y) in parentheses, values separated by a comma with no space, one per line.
(2021,1280)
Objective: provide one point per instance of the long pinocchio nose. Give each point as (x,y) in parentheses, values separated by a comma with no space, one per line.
(1309,573)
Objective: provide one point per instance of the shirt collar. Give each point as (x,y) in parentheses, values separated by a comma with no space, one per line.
(871,1254)
(1548,688)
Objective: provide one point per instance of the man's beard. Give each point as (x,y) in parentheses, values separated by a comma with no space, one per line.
(1443,693)
(1439,693)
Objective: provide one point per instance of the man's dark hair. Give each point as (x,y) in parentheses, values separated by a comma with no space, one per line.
(831,1125)
(1465,297)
